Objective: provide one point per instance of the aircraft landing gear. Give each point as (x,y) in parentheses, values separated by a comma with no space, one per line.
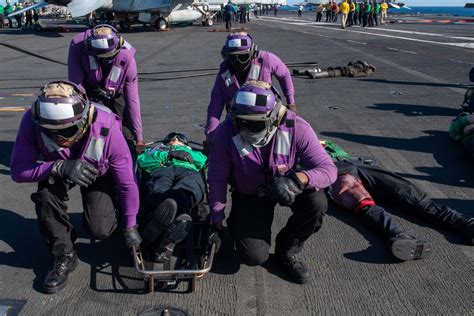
(125,25)
(161,24)
(207,22)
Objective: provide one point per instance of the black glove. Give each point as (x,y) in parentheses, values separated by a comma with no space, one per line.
(284,190)
(76,171)
(132,237)
(181,155)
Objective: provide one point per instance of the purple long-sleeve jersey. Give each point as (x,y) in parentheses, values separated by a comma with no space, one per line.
(128,83)
(247,173)
(25,166)
(225,88)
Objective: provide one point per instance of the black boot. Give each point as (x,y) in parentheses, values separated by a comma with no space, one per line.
(465,227)
(405,247)
(402,245)
(285,252)
(296,269)
(162,218)
(56,278)
(177,232)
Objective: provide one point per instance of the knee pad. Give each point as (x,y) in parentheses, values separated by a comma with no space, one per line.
(349,193)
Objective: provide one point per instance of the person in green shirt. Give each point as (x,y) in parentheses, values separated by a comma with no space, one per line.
(461,130)
(8,11)
(376,13)
(367,10)
(172,186)
(2,16)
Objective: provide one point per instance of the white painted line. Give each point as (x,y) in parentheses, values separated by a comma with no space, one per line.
(462,61)
(401,50)
(463,38)
(351,41)
(463,45)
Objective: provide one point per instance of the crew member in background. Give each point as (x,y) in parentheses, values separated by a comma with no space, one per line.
(63,141)
(103,62)
(17,7)
(229,10)
(268,155)
(344,8)
(350,17)
(2,16)
(8,11)
(319,12)
(461,130)
(383,11)
(376,13)
(243,62)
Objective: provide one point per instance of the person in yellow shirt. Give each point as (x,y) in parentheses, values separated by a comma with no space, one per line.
(344,9)
(383,10)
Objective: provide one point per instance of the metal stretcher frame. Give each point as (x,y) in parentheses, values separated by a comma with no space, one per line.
(193,275)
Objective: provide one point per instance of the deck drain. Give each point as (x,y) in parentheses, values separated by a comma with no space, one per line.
(163,311)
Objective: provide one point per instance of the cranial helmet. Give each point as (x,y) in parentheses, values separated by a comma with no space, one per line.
(257,111)
(239,49)
(104,41)
(180,136)
(62,112)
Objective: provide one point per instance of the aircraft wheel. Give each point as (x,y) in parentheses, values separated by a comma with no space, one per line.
(161,24)
(125,25)
(37,27)
(209,22)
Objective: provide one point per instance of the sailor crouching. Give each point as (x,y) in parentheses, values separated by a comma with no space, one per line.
(257,151)
(80,143)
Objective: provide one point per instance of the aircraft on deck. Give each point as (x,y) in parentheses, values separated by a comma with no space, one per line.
(161,13)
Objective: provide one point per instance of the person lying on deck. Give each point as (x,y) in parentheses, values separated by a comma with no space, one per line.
(361,185)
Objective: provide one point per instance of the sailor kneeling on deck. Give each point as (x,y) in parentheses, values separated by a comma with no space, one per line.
(268,155)
(79,143)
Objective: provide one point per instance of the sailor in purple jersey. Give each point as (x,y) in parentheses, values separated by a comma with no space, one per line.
(268,155)
(63,141)
(244,62)
(104,64)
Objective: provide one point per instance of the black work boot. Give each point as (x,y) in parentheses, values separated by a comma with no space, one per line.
(177,232)
(405,247)
(296,269)
(57,277)
(286,250)
(465,227)
(162,218)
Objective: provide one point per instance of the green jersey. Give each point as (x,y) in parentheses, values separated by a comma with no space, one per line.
(158,157)
(456,129)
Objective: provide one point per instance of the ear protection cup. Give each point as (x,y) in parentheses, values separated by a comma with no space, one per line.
(120,43)
(255,51)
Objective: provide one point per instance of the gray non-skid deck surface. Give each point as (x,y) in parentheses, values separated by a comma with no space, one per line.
(400,115)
